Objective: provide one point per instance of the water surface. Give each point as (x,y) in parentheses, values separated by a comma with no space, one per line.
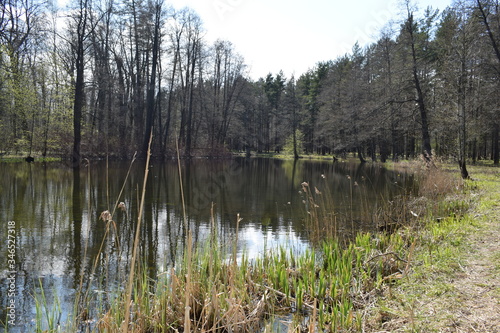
(60,236)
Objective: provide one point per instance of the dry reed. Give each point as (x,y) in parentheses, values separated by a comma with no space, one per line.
(128,295)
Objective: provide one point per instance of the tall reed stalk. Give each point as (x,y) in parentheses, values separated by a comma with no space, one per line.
(188,291)
(184,216)
(130,285)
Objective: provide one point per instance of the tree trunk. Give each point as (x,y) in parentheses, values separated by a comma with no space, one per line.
(426,138)
(484,16)
(462,154)
(79,85)
(77,110)
(189,120)
(495,145)
(138,84)
(360,154)
(150,108)
(170,91)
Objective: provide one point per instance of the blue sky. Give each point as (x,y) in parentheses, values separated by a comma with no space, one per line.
(293,35)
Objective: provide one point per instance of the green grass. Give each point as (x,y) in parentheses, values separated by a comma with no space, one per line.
(18,158)
(443,246)
(47,317)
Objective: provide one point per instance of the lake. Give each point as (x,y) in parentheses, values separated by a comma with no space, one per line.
(62,234)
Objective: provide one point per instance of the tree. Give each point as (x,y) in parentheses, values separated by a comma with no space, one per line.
(120,71)
(175,32)
(189,65)
(310,86)
(78,46)
(273,88)
(150,98)
(457,59)
(21,35)
(224,87)
(383,82)
(291,103)
(416,38)
(490,18)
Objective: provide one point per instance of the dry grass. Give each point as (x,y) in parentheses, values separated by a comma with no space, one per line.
(436,182)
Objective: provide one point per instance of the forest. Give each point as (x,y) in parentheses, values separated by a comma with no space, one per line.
(99,77)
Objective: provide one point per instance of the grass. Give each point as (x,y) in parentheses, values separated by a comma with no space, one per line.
(445,241)
(19,158)
(47,315)
(368,282)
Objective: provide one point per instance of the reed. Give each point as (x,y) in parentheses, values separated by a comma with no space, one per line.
(128,296)
(321,218)
(48,317)
(326,288)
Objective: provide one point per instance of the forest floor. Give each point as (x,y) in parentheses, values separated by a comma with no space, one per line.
(458,289)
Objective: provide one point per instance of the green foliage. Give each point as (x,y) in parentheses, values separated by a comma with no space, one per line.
(289,149)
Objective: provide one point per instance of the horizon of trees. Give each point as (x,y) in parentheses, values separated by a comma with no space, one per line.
(98,78)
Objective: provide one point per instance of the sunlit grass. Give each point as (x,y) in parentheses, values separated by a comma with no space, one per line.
(443,243)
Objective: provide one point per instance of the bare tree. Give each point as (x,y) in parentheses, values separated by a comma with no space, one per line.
(150,98)
(417,39)
(457,58)
(190,60)
(81,20)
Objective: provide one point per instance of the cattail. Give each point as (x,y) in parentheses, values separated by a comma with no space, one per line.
(122,206)
(105,216)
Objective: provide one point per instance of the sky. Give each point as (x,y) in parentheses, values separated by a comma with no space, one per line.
(293,35)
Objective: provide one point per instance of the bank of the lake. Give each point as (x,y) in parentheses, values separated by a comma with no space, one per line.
(395,280)
(454,285)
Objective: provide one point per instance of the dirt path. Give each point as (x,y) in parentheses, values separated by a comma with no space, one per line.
(477,289)
(473,302)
